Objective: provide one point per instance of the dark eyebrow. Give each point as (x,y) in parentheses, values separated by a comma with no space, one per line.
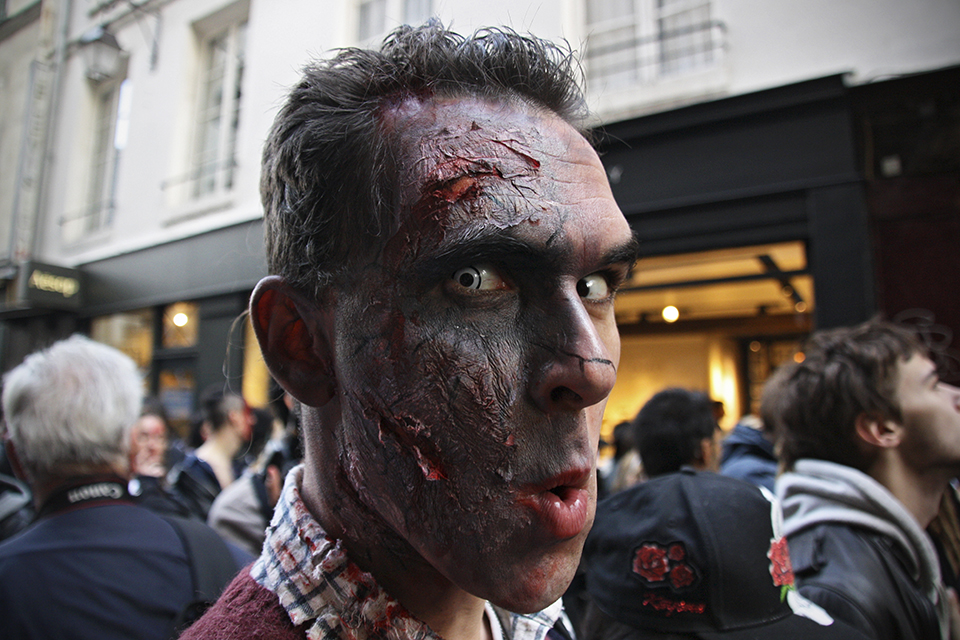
(497,248)
(513,252)
(626,253)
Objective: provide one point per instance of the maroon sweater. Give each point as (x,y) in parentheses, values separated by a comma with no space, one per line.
(245,610)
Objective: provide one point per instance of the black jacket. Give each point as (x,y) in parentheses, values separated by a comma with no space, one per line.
(860,577)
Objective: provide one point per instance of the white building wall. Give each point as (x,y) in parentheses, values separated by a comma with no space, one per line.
(16,54)
(778,42)
(768,44)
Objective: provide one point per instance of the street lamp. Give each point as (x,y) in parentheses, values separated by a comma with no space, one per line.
(101,54)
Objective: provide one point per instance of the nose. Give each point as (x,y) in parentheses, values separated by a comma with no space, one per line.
(954,394)
(575,363)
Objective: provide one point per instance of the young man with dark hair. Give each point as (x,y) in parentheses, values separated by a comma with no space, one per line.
(675,428)
(446,249)
(870,439)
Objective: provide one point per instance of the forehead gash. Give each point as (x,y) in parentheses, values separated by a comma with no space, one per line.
(471,164)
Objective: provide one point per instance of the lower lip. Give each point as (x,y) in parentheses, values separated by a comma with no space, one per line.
(563,515)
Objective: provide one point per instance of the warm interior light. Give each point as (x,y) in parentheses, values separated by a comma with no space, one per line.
(798,357)
(671,313)
(180,319)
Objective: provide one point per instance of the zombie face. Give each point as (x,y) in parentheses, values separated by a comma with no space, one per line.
(475,353)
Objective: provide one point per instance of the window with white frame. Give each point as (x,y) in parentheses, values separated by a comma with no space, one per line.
(376,17)
(103,161)
(372,19)
(635,42)
(214,162)
(111,112)
(685,35)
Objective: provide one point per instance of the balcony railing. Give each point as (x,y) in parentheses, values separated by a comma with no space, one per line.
(617,57)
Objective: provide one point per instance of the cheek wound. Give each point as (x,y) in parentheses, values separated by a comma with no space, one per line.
(411,436)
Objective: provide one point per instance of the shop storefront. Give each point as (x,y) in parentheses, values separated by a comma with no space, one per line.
(753,229)
(178,309)
(761,218)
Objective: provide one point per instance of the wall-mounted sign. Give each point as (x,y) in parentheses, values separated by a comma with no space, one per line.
(49,286)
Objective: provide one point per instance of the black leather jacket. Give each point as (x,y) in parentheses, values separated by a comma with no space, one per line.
(860,577)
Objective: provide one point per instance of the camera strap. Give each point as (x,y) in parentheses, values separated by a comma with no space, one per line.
(85,491)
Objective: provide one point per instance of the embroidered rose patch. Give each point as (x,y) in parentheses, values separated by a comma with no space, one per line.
(651,562)
(657,563)
(780,568)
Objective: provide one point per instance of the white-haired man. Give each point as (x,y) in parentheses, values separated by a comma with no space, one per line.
(93,564)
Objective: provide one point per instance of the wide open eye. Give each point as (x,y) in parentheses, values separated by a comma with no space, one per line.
(593,287)
(481,277)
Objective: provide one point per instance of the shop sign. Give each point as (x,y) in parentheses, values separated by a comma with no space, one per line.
(49,286)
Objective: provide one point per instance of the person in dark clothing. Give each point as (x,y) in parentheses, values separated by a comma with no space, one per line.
(748,453)
(677,427)
(243,510)
(695,555)
(149,444)
(94,564)
(205,472)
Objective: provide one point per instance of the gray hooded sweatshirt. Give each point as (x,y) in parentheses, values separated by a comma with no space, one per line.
(818,492)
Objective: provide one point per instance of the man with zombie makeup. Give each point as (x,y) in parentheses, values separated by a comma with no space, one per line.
(870,438)
(446,249)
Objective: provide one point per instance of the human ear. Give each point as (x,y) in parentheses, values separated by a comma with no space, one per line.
(292,332)
(878,431)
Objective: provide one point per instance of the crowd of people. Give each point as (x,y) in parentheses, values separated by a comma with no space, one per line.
(859,442)
(446,339)
(94,563)
(101,527)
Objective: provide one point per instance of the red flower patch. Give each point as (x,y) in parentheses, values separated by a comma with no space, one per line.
(780,567)
(651,563)
(657,563)
(681,576)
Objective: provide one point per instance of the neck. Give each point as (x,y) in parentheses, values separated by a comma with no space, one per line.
(42,485)
(919,492)
(218,451)
(447,609)
(90,488)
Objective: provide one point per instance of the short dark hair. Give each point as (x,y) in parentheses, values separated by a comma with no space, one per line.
(329,184)
(669,428)
(845,372)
